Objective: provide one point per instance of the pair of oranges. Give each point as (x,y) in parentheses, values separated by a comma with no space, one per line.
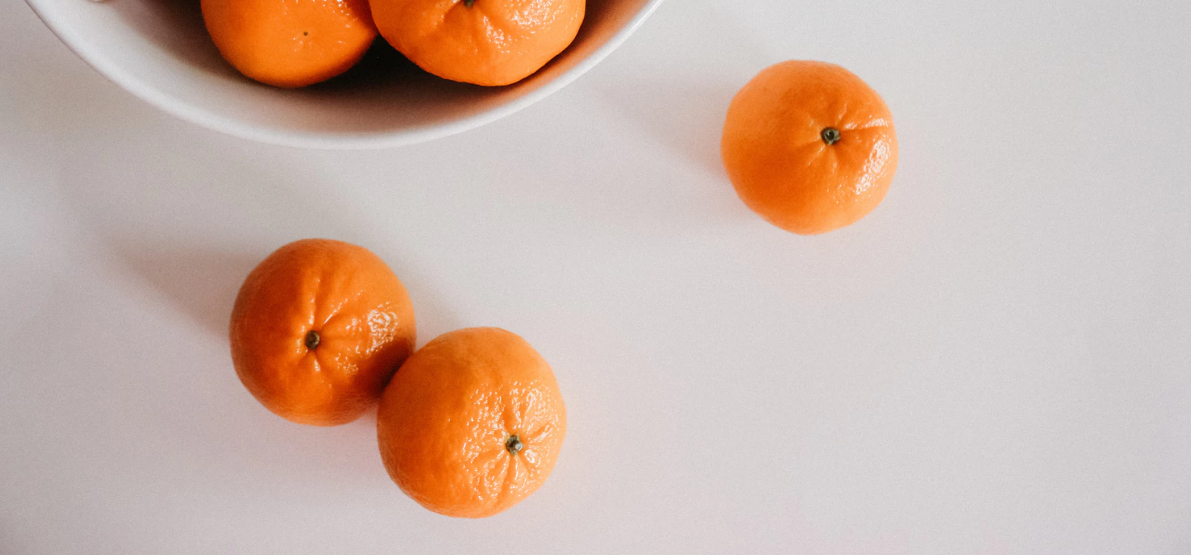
(294,43)
(468,425)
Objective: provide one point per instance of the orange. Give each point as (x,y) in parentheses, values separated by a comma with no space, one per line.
(318,329)
(472,423)
(809,146)
(290,43)
(486,42)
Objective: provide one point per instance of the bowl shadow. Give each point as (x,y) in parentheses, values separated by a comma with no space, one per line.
(200,281)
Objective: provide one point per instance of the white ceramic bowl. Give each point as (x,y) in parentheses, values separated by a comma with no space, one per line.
(159,51)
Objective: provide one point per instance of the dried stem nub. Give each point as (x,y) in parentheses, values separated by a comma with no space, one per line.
(830,135)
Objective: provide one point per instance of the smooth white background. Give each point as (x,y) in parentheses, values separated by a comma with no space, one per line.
(996,361)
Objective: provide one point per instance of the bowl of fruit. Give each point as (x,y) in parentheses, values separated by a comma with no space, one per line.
(341,74)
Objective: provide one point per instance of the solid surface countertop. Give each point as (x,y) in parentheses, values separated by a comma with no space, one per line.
(996,361)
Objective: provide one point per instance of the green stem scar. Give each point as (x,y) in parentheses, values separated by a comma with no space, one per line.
(830,135)
(312,339)
(468,3)
(513,444)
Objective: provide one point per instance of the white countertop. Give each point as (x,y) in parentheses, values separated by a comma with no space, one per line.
(996,361)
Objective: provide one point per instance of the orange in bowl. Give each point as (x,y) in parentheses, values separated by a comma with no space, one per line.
(290,43)
(485,42)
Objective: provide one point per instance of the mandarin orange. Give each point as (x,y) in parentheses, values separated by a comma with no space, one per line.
(485,42)
(290,43)
(809,146)
(472,423)
(318,329)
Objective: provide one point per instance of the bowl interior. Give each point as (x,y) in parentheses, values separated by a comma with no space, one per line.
(159,50)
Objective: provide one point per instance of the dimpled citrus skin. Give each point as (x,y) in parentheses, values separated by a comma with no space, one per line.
(359,311)
(447,419)
(290,43)
(785,162)
(490,42)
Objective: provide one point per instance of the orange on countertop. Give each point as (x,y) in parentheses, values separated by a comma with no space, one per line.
(318,329)
(809,146)
(290,43)
(485,42)
(472,423)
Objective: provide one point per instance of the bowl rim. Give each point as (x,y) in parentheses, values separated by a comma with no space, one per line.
(202,117)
